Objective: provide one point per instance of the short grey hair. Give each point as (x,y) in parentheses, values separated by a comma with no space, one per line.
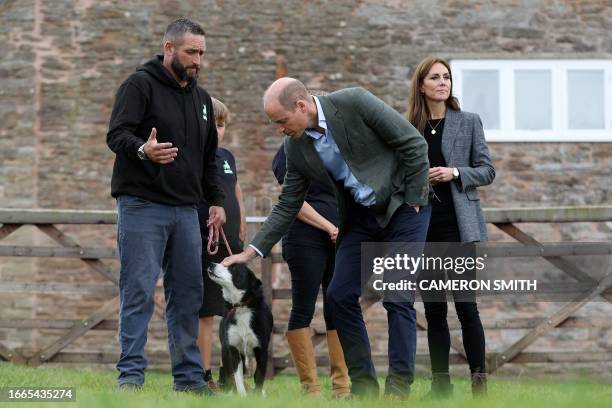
(179,27)
(318,92)
(290,94)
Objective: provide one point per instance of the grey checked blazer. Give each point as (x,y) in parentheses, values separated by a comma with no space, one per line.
(464,147)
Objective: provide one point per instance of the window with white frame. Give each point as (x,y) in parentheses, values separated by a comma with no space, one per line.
(538,100)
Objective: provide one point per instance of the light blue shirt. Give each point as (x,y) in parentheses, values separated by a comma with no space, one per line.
(328,151)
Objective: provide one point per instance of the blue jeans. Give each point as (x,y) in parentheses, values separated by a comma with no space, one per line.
(344,291)
(151,238)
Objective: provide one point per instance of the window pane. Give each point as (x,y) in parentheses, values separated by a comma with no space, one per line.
(533,99)
(480,94)
(585,99)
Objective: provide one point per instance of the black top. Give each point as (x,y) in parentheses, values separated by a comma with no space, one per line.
(319,197)
(226,168)
(151,98)
(442,205)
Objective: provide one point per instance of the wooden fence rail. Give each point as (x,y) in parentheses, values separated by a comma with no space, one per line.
(104,318)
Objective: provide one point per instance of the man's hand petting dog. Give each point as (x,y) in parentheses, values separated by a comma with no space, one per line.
(242,258)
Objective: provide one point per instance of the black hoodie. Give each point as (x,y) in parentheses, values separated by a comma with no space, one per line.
(151,98)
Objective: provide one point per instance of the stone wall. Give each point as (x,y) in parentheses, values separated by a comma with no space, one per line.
(63,61)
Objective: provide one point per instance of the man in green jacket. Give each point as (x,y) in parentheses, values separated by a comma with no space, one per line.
(376,163)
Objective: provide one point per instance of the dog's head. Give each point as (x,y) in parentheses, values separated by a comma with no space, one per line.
(238,282)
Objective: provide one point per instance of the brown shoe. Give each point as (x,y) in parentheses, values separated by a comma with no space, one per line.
(213,385)
(302,351)
(208,379)
(341,386)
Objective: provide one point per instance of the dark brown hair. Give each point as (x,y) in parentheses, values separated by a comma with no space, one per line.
(178,28)
(418,112)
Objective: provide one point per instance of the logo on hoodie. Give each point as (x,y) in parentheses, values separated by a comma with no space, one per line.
(204,114)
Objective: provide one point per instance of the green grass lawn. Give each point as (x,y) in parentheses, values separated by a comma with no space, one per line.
(97,388)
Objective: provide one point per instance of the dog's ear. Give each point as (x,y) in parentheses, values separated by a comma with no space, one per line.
(256,286)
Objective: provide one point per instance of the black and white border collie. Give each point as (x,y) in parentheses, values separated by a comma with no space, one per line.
(246,327)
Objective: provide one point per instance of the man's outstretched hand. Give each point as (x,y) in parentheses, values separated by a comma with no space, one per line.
(162,153)
(243,257)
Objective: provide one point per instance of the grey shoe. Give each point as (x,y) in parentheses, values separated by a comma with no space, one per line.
(397,387)
(130,387)
(201,390)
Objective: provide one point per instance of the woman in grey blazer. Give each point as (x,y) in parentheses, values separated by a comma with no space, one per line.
(459,163)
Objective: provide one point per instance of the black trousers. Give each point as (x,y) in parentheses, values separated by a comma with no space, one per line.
(438,334)
(310,268)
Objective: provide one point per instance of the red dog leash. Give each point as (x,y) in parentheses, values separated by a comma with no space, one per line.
(213,240)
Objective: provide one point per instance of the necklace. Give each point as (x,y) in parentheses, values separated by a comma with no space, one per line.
(433,128)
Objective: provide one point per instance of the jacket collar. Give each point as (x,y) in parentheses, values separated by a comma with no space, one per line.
(336,125)
(452,120)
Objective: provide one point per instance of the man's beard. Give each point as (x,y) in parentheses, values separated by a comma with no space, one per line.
(181,71)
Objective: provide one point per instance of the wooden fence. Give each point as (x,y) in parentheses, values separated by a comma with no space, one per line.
(104,317)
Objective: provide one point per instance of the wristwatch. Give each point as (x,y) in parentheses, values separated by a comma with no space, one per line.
(141,153)
(455,173)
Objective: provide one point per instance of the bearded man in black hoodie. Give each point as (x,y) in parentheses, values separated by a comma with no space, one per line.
(162,130)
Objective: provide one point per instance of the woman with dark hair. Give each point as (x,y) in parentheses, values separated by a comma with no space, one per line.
(460,163)
(309,250)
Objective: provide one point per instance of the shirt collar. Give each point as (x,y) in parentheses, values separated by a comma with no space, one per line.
(322,122)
